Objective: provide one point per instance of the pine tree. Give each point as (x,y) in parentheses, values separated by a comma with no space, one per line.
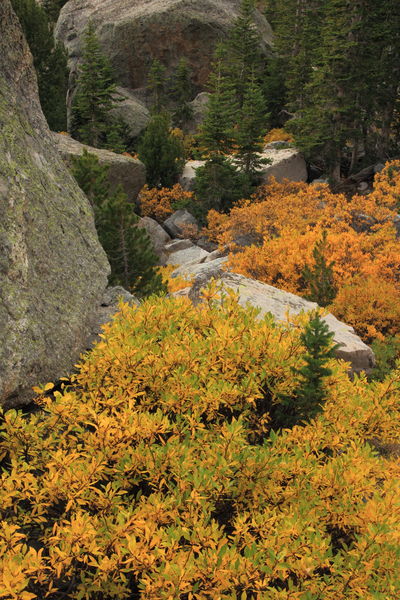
(249,133)
(338,105)
(217,131)
(157,85)
(310,393)
(95,96)
(319,276)
(236,116)
(161,152)
(384,75)
(244,60)
(53,85)
(219,184)
(297,29)
(181,93)
(49,59)
(92,177)
(128,247)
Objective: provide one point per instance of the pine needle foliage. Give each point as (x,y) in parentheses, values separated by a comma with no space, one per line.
(95,97)
(49,59)
(181,89)
(162,152)
(128,247)
(156,84)
(320,276)
(307,399)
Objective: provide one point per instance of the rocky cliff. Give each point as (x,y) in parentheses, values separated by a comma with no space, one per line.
(134,32)
(53,270)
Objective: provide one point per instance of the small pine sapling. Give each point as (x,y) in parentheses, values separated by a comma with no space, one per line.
(128,247)
(320,276)
(307,400)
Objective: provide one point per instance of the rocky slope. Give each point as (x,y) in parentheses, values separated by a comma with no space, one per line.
(53,271)
(134,32)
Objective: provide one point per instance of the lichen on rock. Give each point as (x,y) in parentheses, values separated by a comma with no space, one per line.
(53,270)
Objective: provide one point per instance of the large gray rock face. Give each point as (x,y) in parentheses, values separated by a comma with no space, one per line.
(53,270)
(286,163)
(134,32)
(131,111)
(277,302)
(179,221)
(158,237)
(122,170)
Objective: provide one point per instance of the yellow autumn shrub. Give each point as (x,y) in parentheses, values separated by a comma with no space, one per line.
(154,474)
(173,284)
(371,305)
(159,204)
(282,222)
(278,135)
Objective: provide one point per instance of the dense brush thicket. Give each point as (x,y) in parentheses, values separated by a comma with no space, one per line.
(157,474)
(338,251)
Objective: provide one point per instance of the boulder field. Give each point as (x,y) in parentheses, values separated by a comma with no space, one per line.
(53,271)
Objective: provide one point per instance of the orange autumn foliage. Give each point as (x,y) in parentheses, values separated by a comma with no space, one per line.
(283,222)
(278,135)
(173,284)
(159,204)
(371,305)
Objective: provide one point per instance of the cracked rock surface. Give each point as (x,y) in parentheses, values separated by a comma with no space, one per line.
(53,271)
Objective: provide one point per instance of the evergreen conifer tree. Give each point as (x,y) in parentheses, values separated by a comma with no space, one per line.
(161,152)
(297,39)
(217,131)
(320,276)
(49,59)
(95,96)
(91,177)
(244,60)
(338,105)
(310,393)
(249,133)
(236,116)
(181,93)
(128,247)
(157,86)
(219,183)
